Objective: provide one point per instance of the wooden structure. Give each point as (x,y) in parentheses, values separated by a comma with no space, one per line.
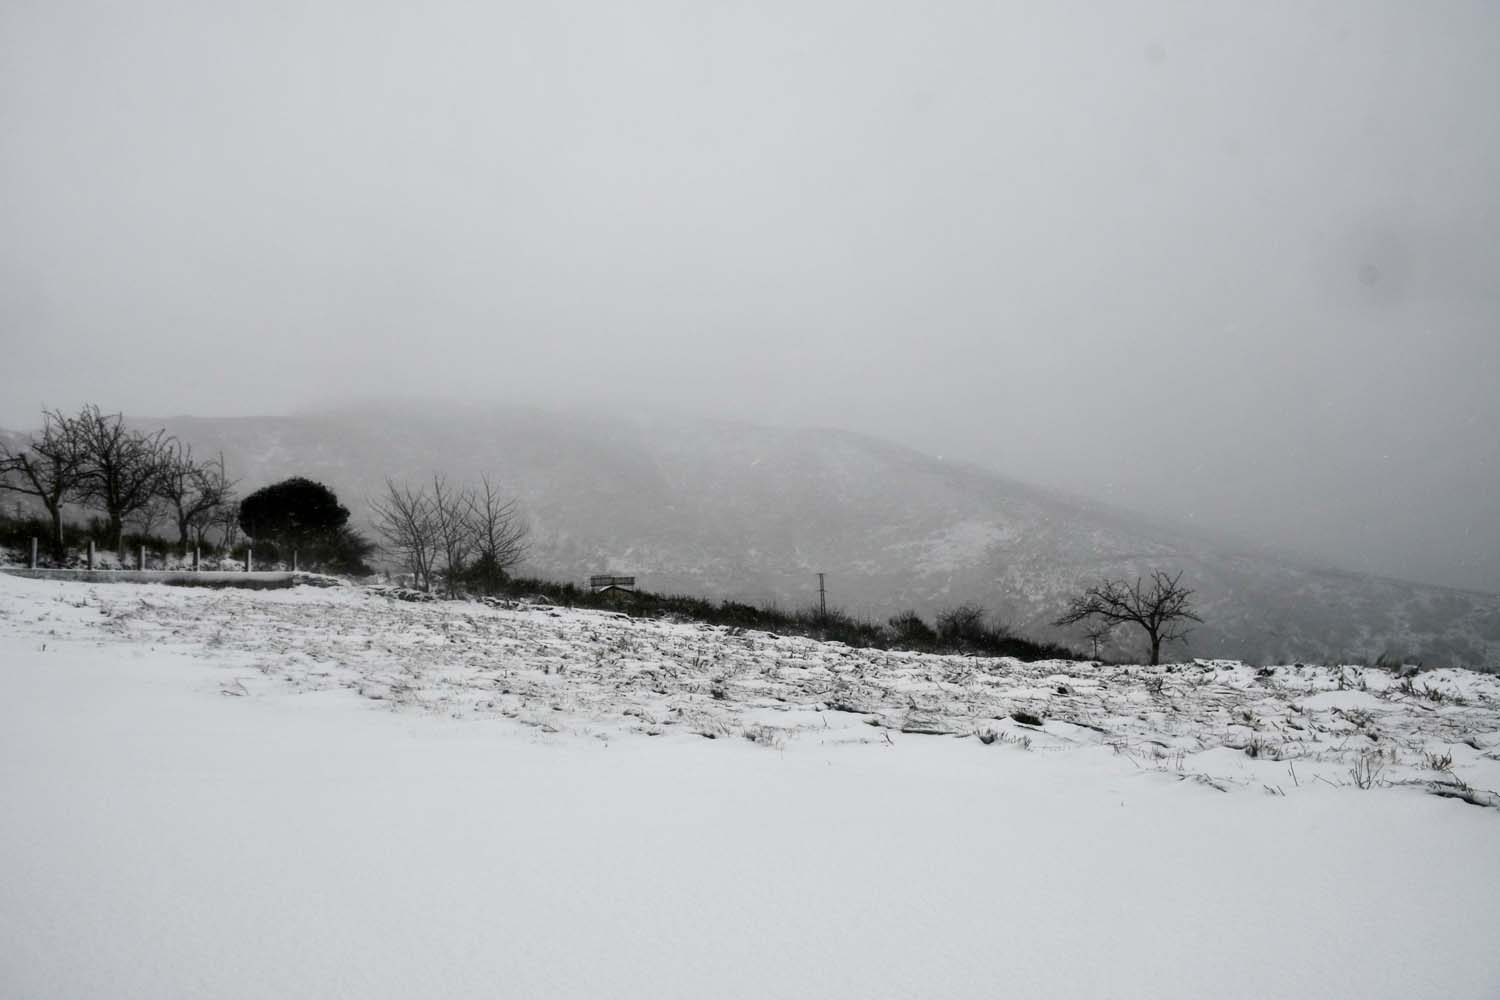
(612,584)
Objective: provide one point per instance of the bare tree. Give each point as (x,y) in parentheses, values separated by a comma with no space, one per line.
(216,483)
(227,519)
(499,532)
(50,469)
(405,522)
(1098,632)
(194,491)
(122,468)
(149,515)
(1162,607)
(452,516)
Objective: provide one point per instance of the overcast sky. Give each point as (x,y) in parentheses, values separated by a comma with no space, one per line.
(1238,263)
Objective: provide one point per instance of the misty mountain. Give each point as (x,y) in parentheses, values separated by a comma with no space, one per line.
(754,513)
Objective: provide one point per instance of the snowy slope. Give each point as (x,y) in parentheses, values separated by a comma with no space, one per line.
(606,676)
(318,793)
(753,513)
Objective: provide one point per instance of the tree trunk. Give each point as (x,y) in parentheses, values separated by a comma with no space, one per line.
(117,532)
(58,551)
(1155,649)
(182,535)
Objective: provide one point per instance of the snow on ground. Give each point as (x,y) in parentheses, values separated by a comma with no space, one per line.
(314,793)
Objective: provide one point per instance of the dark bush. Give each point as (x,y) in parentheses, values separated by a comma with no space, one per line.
(484,575)
(344,551)
(265,553)
(961,626)
(296,514)
(909,629)
(17,532)
(302,517)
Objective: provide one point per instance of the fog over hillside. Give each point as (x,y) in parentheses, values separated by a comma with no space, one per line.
(1232,264)
(748,512)
(752,513)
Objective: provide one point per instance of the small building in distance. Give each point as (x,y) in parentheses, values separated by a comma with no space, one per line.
(612,584)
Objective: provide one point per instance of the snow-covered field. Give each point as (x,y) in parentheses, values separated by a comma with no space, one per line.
(314,792)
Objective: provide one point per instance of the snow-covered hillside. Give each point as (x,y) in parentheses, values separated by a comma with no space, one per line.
(608,676)
(754,513)
(335,792)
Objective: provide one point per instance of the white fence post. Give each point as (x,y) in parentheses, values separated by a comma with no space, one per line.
(195,558)
(249,557)
(33,552)
(140,558)
(91,553)
(294,559)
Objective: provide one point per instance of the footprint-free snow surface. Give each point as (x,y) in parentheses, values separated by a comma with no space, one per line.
(335,792)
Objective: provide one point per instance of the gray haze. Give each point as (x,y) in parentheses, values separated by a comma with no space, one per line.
(1233,264)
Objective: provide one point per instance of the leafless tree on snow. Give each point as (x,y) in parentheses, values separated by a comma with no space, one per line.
(1162,607)
(149,515)
(50,468)
(227,519)
(499,532)
(475,536)
(452,517)
(1098,632)
(122,468)
(405,522)
(194,490)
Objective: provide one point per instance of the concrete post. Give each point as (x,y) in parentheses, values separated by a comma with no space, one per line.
(294,558)
(195,558)
(249,559)
(33,552)
(140,557)
(91,553)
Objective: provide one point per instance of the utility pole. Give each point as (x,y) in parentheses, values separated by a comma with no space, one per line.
(822,599)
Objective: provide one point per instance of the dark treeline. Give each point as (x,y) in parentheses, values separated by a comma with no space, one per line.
(17,529)
(956,630)
(132,482)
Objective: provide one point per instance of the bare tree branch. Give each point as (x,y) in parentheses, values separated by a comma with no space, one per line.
(227,519)
(50,469)
(452,513)
(405,522)
(1098,632)
(194,490)
(499,532)
(122,468)
(1161,607)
